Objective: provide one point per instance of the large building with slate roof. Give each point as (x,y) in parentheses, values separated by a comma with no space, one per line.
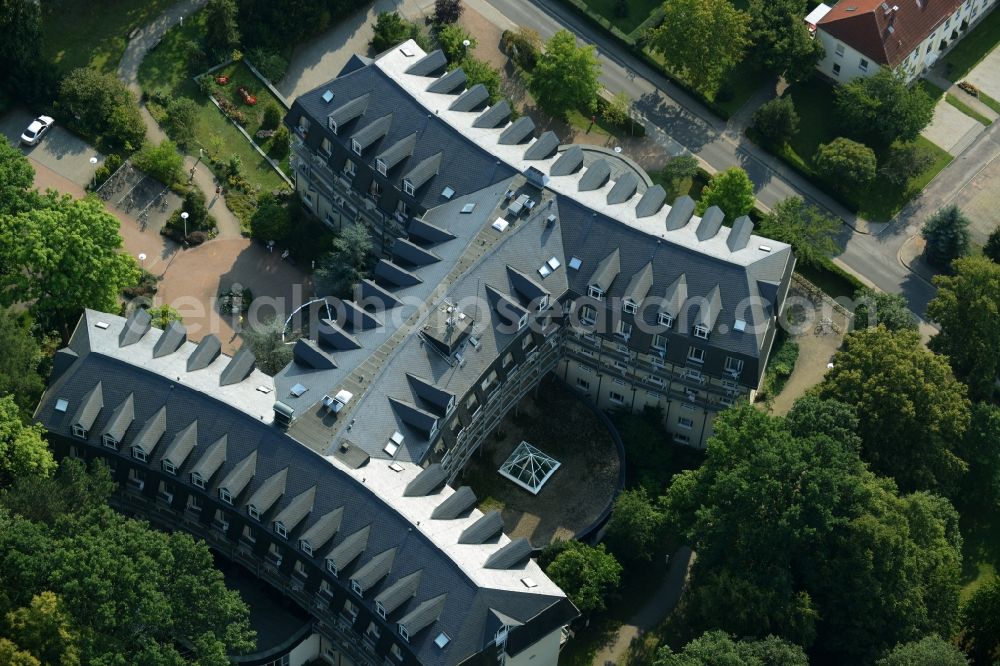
(505,257)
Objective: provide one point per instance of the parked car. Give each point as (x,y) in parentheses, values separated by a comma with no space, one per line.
(36,130)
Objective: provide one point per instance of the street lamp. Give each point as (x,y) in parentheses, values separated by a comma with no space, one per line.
(184,216)
(142,259)
(93,179)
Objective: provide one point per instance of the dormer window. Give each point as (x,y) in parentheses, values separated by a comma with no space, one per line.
(225,496)
(404,633)
(543,303)
(332,568)
(380,609)
(382,168)
(356,587)
(666,319)
(355,146)
(596,292)
(630,306)
(197,480)
(408,188)
(79,431)
(279,528)
(522,322)
(306,547)
(109,442)
(253,512)
(333,125)
(138,453)
(701,332)
(169,467)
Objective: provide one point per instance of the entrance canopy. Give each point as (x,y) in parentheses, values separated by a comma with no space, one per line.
(529,468)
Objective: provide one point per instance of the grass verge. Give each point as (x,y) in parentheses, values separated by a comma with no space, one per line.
(636,11)
(973,48)
(967,110)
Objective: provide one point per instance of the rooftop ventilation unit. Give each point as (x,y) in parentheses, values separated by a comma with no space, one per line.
(337,402)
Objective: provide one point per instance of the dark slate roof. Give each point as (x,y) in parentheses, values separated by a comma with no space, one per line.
(182,444)
(399,592)
(268,492)
(675,295)
(740,235)
(297,509)
(90,406)
(510,555)
(569,162)
(335,337)
(543,148)
(394,275)
(350,110)
(412,253)
(136,326)
(487,527)
(495,116)
(151,432)
(525,285)
(595,176)
(428,232)
(517,131)
(307,353)
(430,479)
(709,314)
(375,569)
(424,170)
(680,213)
(398,151)
(358,318)
(207,351)
(212,458)
(471,99)
(370,292)
(638,287)
(458,503)
(121,418)
(239,368)
(239,476)
(651,202)
(348,549)
(624,188)
(323,529)
(414,416)
(711,222)
(607,270)
(448,83)
(373,131)
(174,335)
(423,615)
(429,64)
(438,398)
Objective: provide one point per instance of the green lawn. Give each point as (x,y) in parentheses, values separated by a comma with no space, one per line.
(638,11)
(166,69)
(974,47)
(77,33)
(734,92)
(814,102)
(980,549)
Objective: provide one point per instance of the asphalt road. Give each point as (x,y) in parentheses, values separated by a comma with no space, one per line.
(873,256)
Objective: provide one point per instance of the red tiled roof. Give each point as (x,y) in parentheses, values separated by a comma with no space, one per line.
(864,25)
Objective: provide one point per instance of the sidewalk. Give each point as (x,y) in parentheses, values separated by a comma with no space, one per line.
(969,100)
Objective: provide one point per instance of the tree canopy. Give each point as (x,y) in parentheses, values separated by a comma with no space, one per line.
(702,40)
(981,450)
(980,632)
(883,108)
(17,178)
(118,591)
(268,346)
(636,526)
(928,651)
(776,120)
(992,247)
(19,363)
(587,574)
(809,230)
(103,108)
(222,30)
(717,648)
(912,410)
(730,190)
(947,236)
(447,11)
(565,76)
(346,263)
(23,451)
(781,41)
(876,307)
(846,164)
(796,537)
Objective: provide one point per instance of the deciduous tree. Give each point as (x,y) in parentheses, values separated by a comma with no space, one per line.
(163,162)
(717,648)
(17,178)
(616,110)
(23,451)
(480,71)
(809,230)
(730,190)
(587,574)
(928,651)
(992,247)
(677,171)
(967,309)
(447,11)
(346,264)
(883,107)
(947,236)
(45,629)
(979,635)
(702,40)
(182,114)
(980,493)
(781,41)
(267,343)
(912,411)
(390,29)
(272,221)
(905,162)
(565,76)
(163,315)
(876,307)
(102,107)
(777,120)
(636,526)
(452,39)
(222,30)
(846,164)
(19,363)
(24,72)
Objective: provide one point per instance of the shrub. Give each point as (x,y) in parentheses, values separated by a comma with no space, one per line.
(452,38)
(845,164)
(390,29)
(270,65)
(103,108)
(272,116)
(197,237)
(111,164)
(447,11)
(480,71)
(272,220)
(162,162)
(776,121)
(182,113)
(280,143)
(523,46)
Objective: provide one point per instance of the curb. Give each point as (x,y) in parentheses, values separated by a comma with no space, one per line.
(908,264)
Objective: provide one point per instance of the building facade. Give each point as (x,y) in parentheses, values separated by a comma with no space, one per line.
(861,37)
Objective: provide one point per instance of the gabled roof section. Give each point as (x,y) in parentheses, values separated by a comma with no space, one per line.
(428,480)
(487,527)
(240,475)
(569,162)
(394,275)
(370,292)
(458,503)
(239,368)
(440,399)
(398,151)
(323,529)
(212,459)
(121,419)
(606,271)
(525,286)
(543,147)
(173,336)
(423,615)
(182,444)
(680,213)
(348,111)
(352,546)
(517,131)
(429,233)
(624,188)
(207,351)
(151,432)
(300,507)
(495,116)
(595,176)
(372,132)
(429,64)
(449,83)
(510,556)
(307,353)
(358,318)
(334,336)
(374,570)
(651,202)
(396,594)
(740,234)
(472,98)
(509,310)
(411,253)
(268,493)
(413,416)
(710,223)
(424,170)
(676,295)
(136,326)
(709,309)
(638,287)
(90,407)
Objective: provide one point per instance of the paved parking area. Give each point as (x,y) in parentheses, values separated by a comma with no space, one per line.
(60,150)
(951,129)
(980,200)
(986,75)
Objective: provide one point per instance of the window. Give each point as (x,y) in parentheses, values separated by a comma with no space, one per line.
(356,587)
(527,342)
(620,382)
(408,188)
(193,504)
(928,48)
(734,366)
(225,496)
(197,481)
(682,439)
(300,569)
(306,547)
(372,632)
(350,168)
(350,609)
(697,355)
(405,634)
(582,383)
(659,342)
(380,165)
(586,368)
(326,147)
(332,568)
(248,536)
(588,315)
(375,190)
(472,403)
(394,649)
(522,322)
(863,65)
(138,453)
(666,319)
(136,479)
(616,398)
(169,467)
(684,422)
(624,330)
(629,306)
(701,332)
(253,512)
(596,292)
(380,609)
(110,442)
(279,527)
(402,208)
(355,146)
(489,381)
(74,452)
(839,50)
(836,69)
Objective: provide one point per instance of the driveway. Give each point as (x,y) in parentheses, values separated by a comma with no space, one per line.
(986,75)
(979,199)
(60,150)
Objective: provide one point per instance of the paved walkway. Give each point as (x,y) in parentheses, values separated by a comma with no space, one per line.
(128,71)
(935,77)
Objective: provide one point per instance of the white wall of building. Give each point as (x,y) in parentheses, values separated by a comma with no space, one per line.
(544,652)
(305,651)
